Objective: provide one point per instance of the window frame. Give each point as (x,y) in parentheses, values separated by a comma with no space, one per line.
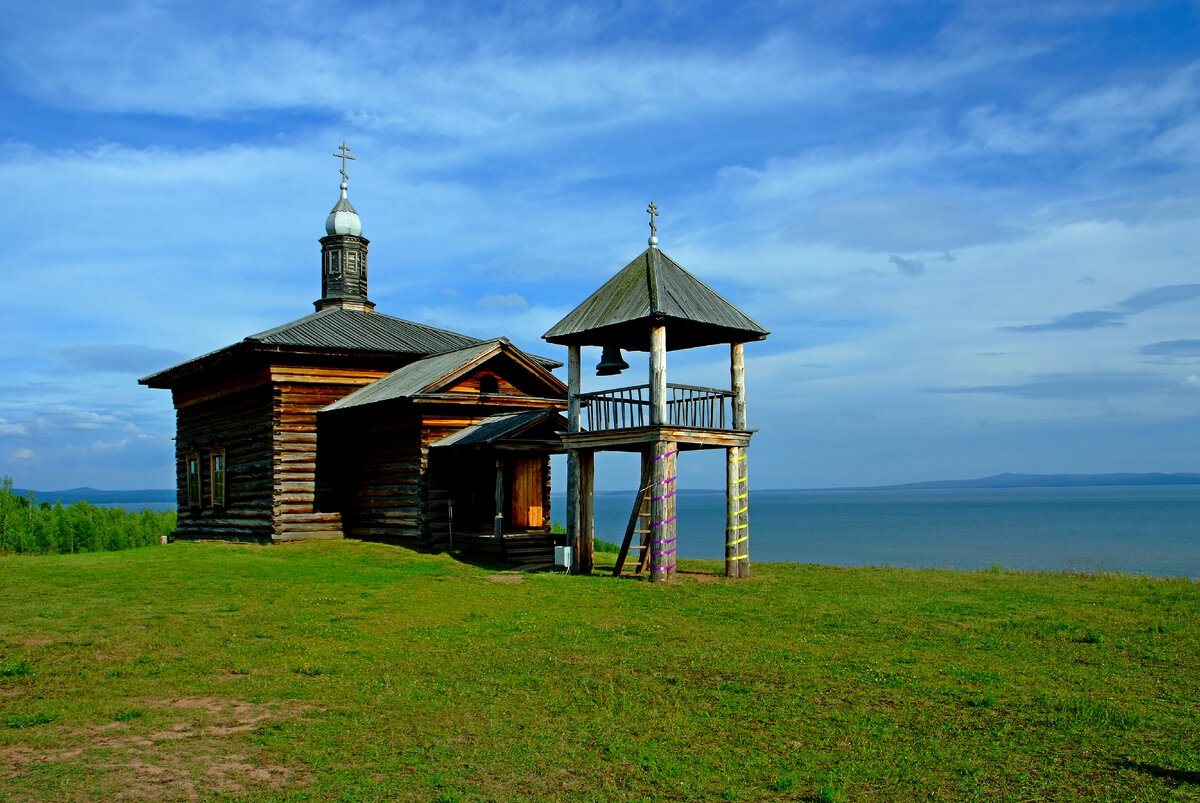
(192,478)
(218,477)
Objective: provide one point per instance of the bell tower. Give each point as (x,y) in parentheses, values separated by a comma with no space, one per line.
(344,253)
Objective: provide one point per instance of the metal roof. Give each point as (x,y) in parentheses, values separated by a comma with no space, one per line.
(498,427)
(653,287)
(432,373)
(337,328)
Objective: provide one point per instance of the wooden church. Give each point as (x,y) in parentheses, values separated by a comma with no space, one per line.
(352,423)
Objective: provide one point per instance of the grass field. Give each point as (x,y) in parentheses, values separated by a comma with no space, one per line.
(351,671)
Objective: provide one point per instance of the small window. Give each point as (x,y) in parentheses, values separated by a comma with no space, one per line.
(334,267)
(216,476)
(489,384)
(193,479)
(351,263)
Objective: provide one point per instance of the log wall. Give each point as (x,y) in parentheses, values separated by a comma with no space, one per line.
(378,475)
(298,394)
(239,422)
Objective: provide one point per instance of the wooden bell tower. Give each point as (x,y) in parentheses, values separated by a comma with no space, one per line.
(653,305)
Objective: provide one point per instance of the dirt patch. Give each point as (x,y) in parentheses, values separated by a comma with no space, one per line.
(698,577)
(506,578)
(132,761)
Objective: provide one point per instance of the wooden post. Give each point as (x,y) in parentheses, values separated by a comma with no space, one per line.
(499,520)
(573,359)
(737,377)
(739,521)
(733,505)
(573,370)
(662,512)
(585,545)
(658,375)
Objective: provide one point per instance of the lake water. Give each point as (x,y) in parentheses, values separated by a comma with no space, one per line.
(1152,530)
(139,506)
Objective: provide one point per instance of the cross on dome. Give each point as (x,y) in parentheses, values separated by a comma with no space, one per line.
(344,155)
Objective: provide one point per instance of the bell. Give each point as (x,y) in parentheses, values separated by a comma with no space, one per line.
(611,363)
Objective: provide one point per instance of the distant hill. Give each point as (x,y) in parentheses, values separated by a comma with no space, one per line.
(167,495)
(98,497)
(1045,481)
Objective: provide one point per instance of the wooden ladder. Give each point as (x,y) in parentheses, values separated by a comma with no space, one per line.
(639,524)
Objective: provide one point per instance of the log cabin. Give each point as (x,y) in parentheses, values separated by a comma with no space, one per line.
(351,423)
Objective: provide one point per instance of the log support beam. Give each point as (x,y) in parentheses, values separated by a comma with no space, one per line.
(662,511)
(737,488)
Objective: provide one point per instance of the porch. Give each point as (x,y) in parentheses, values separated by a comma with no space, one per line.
(521,548)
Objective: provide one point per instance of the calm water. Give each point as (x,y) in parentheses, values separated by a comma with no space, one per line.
(138,506)
(1151,530)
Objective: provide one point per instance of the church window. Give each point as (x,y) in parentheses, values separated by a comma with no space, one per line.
(489,383)
(334,268)
(351,263)
(216,475)
(192,468)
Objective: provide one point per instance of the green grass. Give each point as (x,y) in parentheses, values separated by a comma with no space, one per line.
(350,671)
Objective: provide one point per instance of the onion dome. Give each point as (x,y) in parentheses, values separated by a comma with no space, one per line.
(343,219)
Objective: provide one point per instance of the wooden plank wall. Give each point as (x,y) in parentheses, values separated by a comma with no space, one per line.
(239,422)
(379,476)
(299,393)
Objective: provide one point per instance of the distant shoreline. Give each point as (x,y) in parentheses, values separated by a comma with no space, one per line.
(994,482)
(997,481)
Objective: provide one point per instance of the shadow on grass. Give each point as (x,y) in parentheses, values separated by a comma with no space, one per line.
(1179,776)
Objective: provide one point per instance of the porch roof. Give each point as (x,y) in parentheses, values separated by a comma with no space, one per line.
(509,426)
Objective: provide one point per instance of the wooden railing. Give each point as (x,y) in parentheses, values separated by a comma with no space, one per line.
(687,406)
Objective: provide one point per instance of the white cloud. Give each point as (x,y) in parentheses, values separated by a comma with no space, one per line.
(22,454)
(512,301)
(505,158)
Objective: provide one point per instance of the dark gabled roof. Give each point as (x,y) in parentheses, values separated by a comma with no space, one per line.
(500,427)
(337,329)
(654,287)
(434,373)
(355,330)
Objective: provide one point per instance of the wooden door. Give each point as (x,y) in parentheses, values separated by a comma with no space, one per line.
(527,492)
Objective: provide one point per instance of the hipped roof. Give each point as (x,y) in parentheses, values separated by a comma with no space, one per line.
(653,288)
(338,330)
(434,373)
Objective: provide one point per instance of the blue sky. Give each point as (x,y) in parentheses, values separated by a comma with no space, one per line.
(973,228)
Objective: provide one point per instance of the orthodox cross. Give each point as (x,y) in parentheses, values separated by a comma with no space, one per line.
(344,155)
(652,210)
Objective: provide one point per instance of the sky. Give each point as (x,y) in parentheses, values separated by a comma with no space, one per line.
(972,228)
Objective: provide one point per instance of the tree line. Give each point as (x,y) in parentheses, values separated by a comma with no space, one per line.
(29,526)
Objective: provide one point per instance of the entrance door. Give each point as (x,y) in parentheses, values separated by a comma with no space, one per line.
(526,493)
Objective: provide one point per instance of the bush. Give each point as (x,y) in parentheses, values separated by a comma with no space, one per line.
(29,527)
